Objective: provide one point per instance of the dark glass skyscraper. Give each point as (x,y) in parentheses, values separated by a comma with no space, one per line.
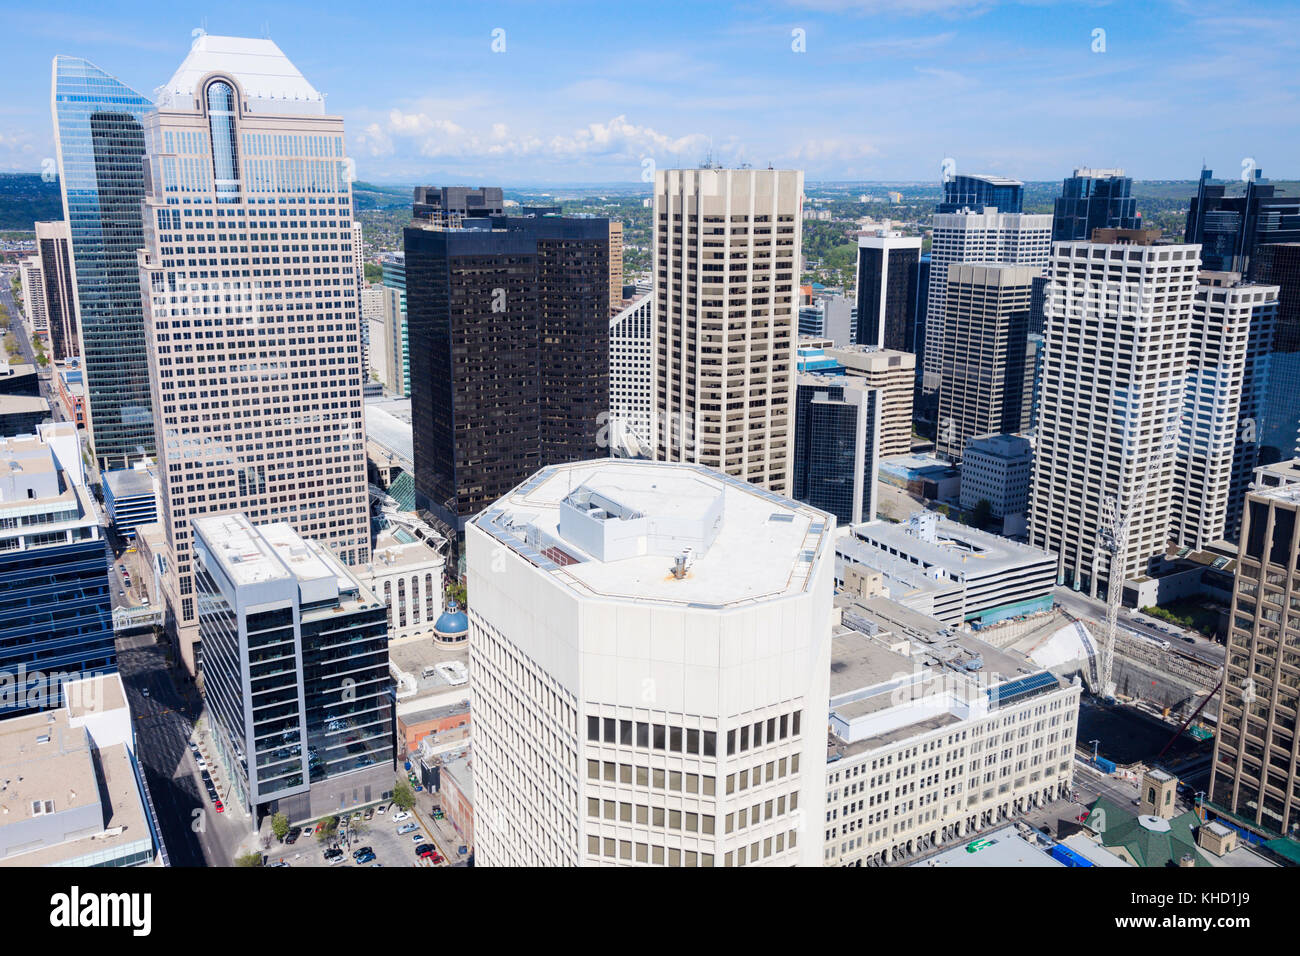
(837,446)
(1279,265)
(99,139)
(887,271)
(976,192)
(1094,199)
(509,353)
(1229,228)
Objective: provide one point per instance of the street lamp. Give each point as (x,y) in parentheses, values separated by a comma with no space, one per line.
(1096,745)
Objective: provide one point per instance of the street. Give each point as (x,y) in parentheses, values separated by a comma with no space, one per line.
(1188,643)
(22,332)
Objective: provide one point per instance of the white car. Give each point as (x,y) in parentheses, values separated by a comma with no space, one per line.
(381,809)
(399,817)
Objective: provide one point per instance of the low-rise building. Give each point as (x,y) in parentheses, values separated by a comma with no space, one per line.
(997,469)
(131,497)
(71,387)
(20,414)
(406,572)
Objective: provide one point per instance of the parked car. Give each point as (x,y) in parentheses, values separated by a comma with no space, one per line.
(362,851)
(370,812)
(144,691)
(406,828)
(308,831)
(418,837)
(334,857)
(221,807)
(278,863)
(425,850)
(381,809)
(399,817)
(291,837)
(364,859)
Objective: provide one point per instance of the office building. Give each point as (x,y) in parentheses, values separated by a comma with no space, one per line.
(985,329)
(669,707)
(406,571)
(259,408)
(99,142)
(131,497)
(935,738)
(19,380)
(20,414)
(1094,199)
(1278,425)
(509,329)
(1256,774)
(976,192)
(451,205)
(59,301)
(56,621)
(280,616)
(893,374)
(1229,228)
(997,469)
(916,341)
(832,317)
(991,236)
(32,287)
(615,266)
(726,247)
(886,294)
(1214,458)
(631,379)
(837,446)
(1115,359)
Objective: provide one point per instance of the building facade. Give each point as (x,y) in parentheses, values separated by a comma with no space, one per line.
(978,191)
(1094,199)
(886,291)
(893,374)
(837,446)
(631,377)
(1279,422)
(1229,228)
(997,469)
(32,286)
(54,242)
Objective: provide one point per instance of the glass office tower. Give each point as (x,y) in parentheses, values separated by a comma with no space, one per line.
(978,191)
(1094,199)
(99,140)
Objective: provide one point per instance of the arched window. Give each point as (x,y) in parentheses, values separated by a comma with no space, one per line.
(225,155)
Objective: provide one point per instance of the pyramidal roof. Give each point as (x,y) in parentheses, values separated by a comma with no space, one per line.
(271,83)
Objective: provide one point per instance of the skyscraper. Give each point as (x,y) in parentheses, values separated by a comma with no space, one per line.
(837,446)
(252,311)
(1094,199)
(978,191)
(886,294)
(59,299)
(983,353)
(726,254)
(509,333)
(615,266)
(99,140)
(1279,422)
(32,284)
(1111,393)
(631,379)
(1228,228)
(669,706)
(992,237)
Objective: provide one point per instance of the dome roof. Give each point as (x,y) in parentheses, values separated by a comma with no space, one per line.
(452,622)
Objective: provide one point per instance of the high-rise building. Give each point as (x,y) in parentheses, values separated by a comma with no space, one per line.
(615,266)
(1210,441)
(893,374)
(509,332)
(831,317)
(1278,426)
(631,381)
(393,266)
(56,616)
(990,236)
(726,252)
(253,331)
(837,445)
(984,335)
(886,296)
(1256,774)
(997,469)
(99,141)
(1228,228)
(977,192)
(1115,359)
(450,205)
(1094,199)
(669,707)
(54,245)
(32,283)
(295,670)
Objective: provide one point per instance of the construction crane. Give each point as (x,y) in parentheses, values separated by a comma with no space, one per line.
(1112,538)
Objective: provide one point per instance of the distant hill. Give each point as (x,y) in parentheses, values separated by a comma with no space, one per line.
(370,196)
(26,199)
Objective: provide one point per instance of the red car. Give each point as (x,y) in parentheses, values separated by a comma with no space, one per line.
(220,806)
(426,850)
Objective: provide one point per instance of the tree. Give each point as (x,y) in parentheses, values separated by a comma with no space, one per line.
(403,795)
(982,514)
(329,827)
(456,592)
(251,858)
(280,826)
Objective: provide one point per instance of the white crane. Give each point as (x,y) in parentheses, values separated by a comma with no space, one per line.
(1112,537)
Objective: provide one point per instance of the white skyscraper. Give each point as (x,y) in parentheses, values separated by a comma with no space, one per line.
(1114,367)
(631,381)
(726,252)
(990,237)
(251,307)
(649,668)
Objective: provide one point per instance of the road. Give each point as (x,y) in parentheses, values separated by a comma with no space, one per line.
(22,332)
(1189,643)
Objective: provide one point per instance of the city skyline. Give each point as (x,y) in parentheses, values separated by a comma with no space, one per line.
(541,103)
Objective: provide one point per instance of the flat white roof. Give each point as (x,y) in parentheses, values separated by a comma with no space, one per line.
(959,549)
(766,547)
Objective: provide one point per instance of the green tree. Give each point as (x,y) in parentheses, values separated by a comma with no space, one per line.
(251,858)
(403,795)
(329,828)
(456,592)
(374,273)
(280,826)
(982,514)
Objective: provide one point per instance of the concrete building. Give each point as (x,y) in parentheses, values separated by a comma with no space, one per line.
(615,266)
(893,374)
(726,252)
(431,678)
(1215,448)
(1115,361)
(999,578)
(70,384)
(131,497)
(32,285)
(1255,772)
(830,317)
(886,291)
(997,469)
(281,616)
(837,446)
(935,737)
(74,793)
(56,620)
(649,658)
(54,241)
(631,377)
(407,573)
(20,414)
(260,409)
(986,326)
(987,236)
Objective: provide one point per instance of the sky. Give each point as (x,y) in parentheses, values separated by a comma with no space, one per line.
(532,93)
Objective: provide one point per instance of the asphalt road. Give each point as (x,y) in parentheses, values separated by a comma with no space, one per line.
(1199,647)
(22,332)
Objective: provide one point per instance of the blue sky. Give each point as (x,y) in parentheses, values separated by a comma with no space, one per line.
(588,92)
